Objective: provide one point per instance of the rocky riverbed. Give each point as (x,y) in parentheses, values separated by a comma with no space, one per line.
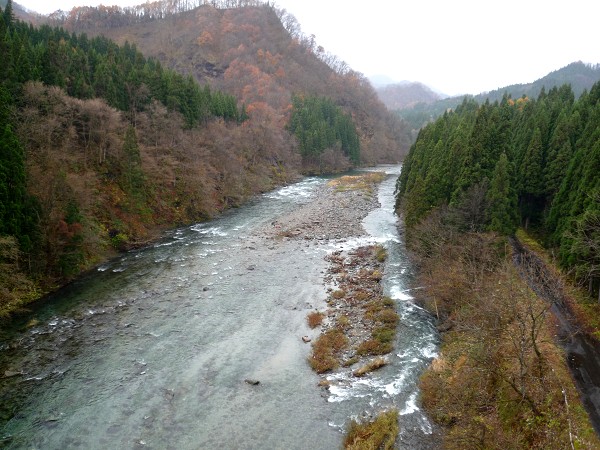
(357,324)
(333,214)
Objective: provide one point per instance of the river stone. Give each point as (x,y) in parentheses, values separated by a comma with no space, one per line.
(11,373)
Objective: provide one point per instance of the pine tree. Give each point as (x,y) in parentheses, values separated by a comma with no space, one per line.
(559,154)
(8,16)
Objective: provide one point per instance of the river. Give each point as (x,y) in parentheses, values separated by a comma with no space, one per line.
(151,350)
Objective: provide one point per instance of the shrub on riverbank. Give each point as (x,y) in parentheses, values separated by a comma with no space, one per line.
(325,349)
(500,380)
(314,319)
(380,253)
(380,433)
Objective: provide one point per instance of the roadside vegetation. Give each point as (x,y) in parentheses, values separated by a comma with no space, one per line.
(500,381)
(584,308)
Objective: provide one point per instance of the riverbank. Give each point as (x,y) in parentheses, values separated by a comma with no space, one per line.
(356,321)
(335,212)
(500,380)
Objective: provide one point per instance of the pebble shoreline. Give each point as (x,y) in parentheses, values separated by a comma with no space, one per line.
(330,215)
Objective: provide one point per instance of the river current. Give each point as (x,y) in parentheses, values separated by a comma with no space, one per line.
(151,350)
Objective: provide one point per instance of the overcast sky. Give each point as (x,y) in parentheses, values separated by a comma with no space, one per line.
(453,46)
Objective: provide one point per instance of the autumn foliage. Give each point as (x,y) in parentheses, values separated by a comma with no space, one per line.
(184,114)
(500,381)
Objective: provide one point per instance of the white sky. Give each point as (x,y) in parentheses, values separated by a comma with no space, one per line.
(454,46)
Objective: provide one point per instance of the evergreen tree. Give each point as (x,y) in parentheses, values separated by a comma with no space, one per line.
(18,215)
(545,153)
(319,124)
(8,16)
(72,254)
(531,167)
(559,154)
(502,199)
(532,182)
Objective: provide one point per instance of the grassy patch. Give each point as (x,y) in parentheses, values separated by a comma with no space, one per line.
(323,357)
(314,319)
(363,182)
(529,241)
(380,253)
(343,321)
(351,361)
(381,433)
(340,293)
(371,366)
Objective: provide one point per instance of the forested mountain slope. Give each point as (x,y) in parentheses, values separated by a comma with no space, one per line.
(103,147)
(501,379)
(534,162)
(254,51)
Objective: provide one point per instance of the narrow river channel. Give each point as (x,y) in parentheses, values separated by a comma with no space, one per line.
(151,350)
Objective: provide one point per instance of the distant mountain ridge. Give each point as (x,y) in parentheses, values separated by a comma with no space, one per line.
(580,76)
(406,94)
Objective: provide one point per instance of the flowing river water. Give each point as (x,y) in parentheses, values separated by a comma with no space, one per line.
(151,350)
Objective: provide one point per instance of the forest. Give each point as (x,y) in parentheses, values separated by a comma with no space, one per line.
(475,178)
(524,162)
(320,125)
(104,147)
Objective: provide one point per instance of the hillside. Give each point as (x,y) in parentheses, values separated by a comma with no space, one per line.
(104,147)
(530,162)
(578,75)
(256,52)
(406,95)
